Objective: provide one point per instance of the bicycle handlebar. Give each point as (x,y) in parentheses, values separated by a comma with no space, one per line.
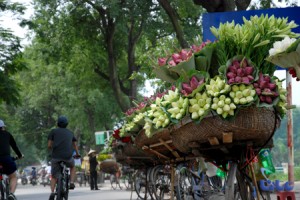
(77,156)
(17,158)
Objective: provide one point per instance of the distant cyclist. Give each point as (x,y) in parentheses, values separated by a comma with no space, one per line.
(62,143)
(9,165)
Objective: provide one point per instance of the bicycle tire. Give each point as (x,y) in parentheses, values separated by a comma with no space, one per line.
(151,184)
(183,188)
(113,181)
(7,188)
(126,179)
(141,184)
(66,188)
(162,182)
(59,188)
(2,190)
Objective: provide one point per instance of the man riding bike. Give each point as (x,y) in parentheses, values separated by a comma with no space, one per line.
(8,163)
(62,143)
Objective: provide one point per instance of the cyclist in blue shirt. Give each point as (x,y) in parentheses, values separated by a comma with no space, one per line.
(8,163)
(61,142)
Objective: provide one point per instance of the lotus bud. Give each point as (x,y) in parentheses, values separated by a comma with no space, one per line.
(252,93)
(227,100)
(232,69)
(240,72)
(172,63)
(219,111)
(238,79)
(194,82)
(236,63)
(272,86)
(243,100)
(235,88)
(206,106)
(195,115)
(162,61)
(232,106)
(179,116)
(208,100)
(249,99)
(239,94)
(231,112)
(221,103)
(246,92)
(245,80)
(226,108)
(269,99)
(258,91)
(224,114)
(250,77)
(262,98)
(182,111)
(196,107)
(193,101)
(215,100)
(201,112)
(214,106)
(231,81)
(232,94)
(236,100)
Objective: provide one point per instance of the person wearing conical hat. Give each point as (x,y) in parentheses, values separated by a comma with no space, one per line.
(93,169)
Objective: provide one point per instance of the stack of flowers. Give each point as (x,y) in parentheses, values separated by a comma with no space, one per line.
(286,54)
(225,76)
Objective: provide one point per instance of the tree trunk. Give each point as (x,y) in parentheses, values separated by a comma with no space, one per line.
(114,79)
(132,40)
(175,22)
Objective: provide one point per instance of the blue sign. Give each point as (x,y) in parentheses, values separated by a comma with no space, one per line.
(214,19)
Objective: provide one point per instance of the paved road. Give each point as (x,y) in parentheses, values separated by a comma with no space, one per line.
(29,192)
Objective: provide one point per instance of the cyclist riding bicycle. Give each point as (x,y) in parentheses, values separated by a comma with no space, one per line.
(8,163)
(62,143)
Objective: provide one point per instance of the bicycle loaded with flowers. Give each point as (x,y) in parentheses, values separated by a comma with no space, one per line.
(223,92)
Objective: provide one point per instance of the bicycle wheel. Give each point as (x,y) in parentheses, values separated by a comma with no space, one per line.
(151,184)
(59,188)
(6,188)
(126,180)
(140,184)
(113,181)
(183,187)
(66,186)
(2,190)
(161,178)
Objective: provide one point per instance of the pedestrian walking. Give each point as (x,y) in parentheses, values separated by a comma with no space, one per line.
(93,169)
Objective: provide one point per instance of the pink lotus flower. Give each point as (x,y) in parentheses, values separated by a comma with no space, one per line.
(162,61)
(177,58)
(196,48)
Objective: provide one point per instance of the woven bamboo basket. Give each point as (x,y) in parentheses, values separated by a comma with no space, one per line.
(133,151)
(143,140)
(109,166)
(256,124)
